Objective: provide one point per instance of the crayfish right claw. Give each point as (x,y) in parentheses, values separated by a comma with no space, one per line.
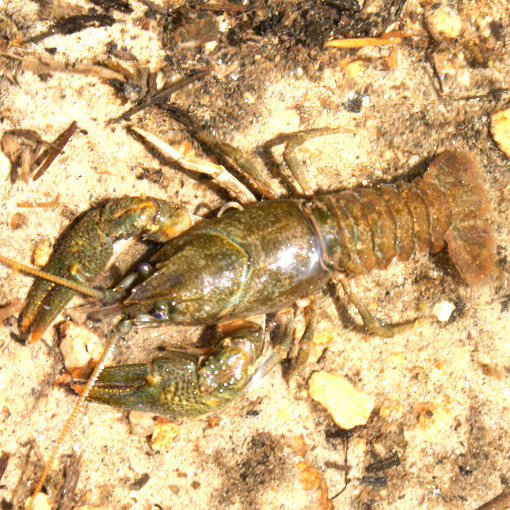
(80,256)
(85,249)
(166,386)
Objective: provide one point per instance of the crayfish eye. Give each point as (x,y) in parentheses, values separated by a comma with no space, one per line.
(144,270)
(160,311)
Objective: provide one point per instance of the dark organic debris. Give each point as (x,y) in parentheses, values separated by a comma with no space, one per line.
(73,24)
(22,148)
(73,471)
(116,5)
(59,145)
(162,95)
(4,460)
(383,464)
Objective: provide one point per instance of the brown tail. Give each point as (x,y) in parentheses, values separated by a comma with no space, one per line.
(470,240)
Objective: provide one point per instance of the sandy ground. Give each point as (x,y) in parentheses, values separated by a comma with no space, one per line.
(441,419)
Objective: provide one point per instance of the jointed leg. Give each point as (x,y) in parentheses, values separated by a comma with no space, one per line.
(299,139)
(223,150)
(371,324)
(218,172)
(305,344)
(280,351)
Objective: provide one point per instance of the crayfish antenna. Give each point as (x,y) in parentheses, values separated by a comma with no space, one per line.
(76,286)
(77,408)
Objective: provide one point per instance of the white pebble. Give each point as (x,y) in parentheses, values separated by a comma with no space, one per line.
(347,406)
(443,310)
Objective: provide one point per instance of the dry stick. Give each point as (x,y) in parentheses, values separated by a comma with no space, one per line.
(59,147)
(78,405)
(50,203)
(38,66)
(163,95)
(389,38)
(223,5)
(362,42)
(500,502)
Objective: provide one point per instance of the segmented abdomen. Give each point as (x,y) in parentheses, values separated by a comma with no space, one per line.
(367,228)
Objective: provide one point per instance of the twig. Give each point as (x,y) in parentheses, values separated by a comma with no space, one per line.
(41,67)
(59,146)
(389,38)
(162,96)
(498,503)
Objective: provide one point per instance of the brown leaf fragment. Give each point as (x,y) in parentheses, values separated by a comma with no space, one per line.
(73,471)
(4,460)
(312,480)
(10,309)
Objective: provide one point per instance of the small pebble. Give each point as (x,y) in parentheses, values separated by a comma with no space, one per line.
(395,359)
(443,310)
(164,434)
(141,424)
(347,406)
(391,410)
(500,129)
(42,253)
(40,502)
(444,22)
(18,220)
(434,419)
(80,347)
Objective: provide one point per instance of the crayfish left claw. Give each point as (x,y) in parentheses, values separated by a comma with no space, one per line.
(184,384)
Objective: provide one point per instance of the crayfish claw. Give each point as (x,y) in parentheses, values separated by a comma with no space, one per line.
(86,247)
(185,383)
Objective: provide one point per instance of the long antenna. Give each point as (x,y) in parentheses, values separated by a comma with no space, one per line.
(70,284)
(78,405)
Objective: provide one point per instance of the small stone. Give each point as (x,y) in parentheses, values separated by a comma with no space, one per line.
(42,253)
(395,359)
(444,22)
(310,477)
(80,347)
(391,410)
(41,501)
(164,434)
(18,220)
(313,480)
(500,129)
(353,68)
(141,424)
(324,337)
(434,419)
(347,406)
(443,310)
(298,444)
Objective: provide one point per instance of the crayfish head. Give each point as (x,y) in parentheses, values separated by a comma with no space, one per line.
(196,280)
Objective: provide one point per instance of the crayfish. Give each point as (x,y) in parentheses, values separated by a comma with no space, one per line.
(254,259)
